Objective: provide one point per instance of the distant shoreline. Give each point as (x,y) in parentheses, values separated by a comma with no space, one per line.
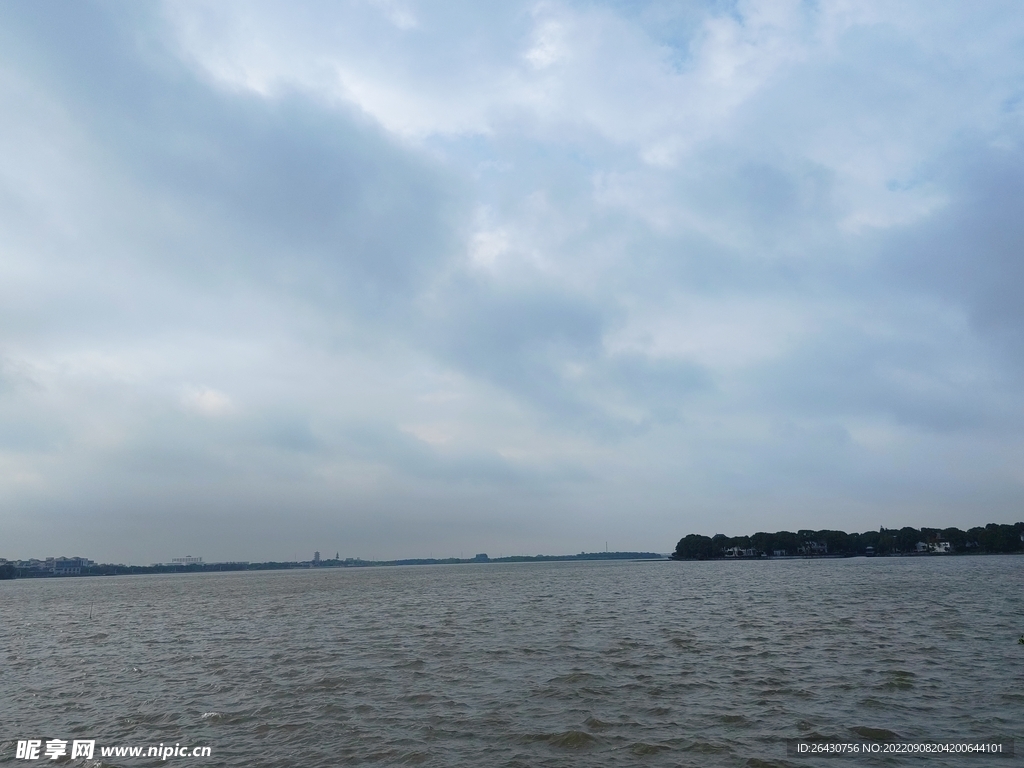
(12,571)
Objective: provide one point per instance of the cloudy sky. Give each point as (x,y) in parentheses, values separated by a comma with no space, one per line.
(396,278)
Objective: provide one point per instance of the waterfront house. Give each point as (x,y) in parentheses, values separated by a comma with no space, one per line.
(813,548)
(739,552)
(67,566)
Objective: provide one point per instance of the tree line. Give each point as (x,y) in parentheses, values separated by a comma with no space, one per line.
(992,538)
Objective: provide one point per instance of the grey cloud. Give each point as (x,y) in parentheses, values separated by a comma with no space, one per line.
(972,251)
(516,338)
(316,201)
(385,446)
(660,382)
(851,374)
(546,347)
(289,432)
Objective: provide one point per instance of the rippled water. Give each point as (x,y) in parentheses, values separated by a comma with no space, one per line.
(559,664)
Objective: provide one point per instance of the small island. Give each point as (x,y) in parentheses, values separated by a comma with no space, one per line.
(993,538)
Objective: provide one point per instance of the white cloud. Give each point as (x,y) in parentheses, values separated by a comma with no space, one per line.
(721,333)
(547,46)
(397,13)
(207,401)
(432,434)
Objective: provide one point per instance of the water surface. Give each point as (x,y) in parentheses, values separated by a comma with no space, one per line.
(535,664)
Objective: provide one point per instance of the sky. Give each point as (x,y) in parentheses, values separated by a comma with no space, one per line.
(395,279)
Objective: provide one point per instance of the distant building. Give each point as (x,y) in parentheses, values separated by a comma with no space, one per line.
(739,552)
(813,548)
(939,547)
(921,547)
(481,558)
(316,558)
(66,566)
(32,564)
(187,560)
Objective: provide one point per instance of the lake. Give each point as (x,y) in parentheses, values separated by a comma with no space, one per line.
(532,664)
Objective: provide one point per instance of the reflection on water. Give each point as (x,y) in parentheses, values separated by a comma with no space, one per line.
(560,664)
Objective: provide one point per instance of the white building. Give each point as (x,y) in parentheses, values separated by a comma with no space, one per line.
(814,548)
(739,552)
(66,566)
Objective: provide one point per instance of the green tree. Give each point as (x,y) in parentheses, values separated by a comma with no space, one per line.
(957,539)
(907,538)
(694,547)
(719,542)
